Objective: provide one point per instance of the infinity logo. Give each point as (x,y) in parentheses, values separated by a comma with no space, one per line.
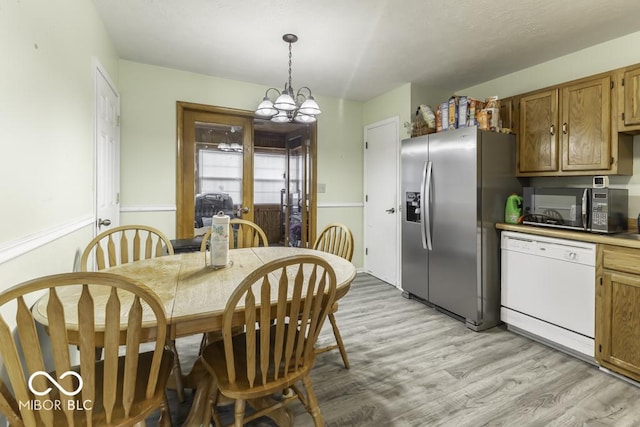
(54,382)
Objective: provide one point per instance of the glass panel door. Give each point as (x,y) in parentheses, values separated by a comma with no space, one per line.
(216,169)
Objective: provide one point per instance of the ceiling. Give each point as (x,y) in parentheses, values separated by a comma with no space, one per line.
(358,49)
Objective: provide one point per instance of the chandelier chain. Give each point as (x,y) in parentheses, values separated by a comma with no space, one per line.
(290,88)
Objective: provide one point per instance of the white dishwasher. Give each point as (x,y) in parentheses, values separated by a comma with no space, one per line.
(548,290)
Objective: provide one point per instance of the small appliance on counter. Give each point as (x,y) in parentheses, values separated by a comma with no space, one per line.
(597,210)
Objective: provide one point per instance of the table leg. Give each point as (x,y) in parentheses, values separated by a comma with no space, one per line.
(200,410)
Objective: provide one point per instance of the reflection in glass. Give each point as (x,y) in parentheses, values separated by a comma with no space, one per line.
(218,172)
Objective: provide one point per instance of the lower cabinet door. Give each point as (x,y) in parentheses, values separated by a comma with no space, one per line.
(618,328)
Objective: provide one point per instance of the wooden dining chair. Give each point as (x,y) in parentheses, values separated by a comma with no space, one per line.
(242,234)
(125,244)
(336,239)
(106,310)
(275,352)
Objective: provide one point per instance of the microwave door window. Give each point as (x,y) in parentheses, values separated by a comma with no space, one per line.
(555,209)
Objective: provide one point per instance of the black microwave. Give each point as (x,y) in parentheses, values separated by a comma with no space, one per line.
(598,210)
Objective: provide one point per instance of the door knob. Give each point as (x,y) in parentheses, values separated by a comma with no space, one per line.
(245,209)
(105,222)
(392,210)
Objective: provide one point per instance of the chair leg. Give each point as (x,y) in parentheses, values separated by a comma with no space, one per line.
(213,407)
(312,403)
(239,413)
(177,370)
(165,415)
(336,333)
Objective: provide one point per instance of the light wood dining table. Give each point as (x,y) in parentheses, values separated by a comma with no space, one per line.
(194,296)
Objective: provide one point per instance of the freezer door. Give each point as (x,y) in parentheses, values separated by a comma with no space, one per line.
(415,264)
(454,261)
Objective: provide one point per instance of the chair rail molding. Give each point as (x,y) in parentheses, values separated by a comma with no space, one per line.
(148,208)
(15,248)
(341,205)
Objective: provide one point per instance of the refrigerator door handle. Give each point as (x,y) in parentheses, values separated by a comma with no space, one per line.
(426,188)
(423,207)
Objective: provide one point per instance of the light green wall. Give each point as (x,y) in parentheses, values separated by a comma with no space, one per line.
(47,132)
(395,103)
(607,56)
(604,57)
(148,147)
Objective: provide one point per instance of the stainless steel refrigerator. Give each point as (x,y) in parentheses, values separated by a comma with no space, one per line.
(455,185)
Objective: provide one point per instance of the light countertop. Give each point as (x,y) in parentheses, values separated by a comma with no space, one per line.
(629,240)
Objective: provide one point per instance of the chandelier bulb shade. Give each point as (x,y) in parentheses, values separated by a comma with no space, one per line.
(285,106)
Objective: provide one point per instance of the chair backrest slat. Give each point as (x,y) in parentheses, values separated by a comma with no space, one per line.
(33,356)
(281,323)
(111,341)
(250,321)
(124,248)
(59,346)
(111,248)
(131,358)
(265,322)
(306,287)
(135,242)
(294,313)
(87,335)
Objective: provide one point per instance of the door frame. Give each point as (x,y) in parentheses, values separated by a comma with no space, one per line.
(99,72)
(395,121)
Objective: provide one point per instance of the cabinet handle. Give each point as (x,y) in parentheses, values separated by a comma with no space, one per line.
(564,128)
(552,130)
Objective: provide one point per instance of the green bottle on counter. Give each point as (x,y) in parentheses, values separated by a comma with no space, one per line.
(513,209)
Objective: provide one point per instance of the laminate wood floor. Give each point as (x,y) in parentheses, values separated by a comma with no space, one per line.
(414,366)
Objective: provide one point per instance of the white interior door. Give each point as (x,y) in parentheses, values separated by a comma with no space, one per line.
(107,152)
(381,200)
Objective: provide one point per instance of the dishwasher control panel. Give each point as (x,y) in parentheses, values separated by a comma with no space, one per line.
(548,247)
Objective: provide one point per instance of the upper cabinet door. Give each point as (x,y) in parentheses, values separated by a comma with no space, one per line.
(538,144)
(632,97)
(586,125)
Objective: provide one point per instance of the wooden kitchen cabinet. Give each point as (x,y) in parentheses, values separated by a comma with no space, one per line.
(617,337)
(538,139)
(629,99)
(567,130)
(586,125)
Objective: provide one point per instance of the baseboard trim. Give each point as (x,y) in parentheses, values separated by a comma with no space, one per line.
(19,247)
(158,208)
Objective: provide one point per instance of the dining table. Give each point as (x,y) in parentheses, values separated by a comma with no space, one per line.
(194,295)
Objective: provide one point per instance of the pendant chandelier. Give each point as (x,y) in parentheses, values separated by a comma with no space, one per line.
(288,107)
